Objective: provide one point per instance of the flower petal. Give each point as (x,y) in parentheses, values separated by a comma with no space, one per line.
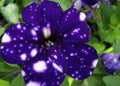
(74,30)
(77,61)
(67,21)
(82,65)
(47,13)
(32,15)
(42,73)
(17,53)
(17,42)
(80,34)
(20,33)
(52,13)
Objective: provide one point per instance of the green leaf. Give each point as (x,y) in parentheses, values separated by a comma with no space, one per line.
(65,4)
(1,60)
(95,80)
(9,1)
(105,12)
(112,80)
(77,83)
(26,2)
(4,83)
(109,50)
(116,48)
(11,13)
(70,80)
(112,36)
(99,47)
(4,67)
(113,19)
(7,76)
(2,2)
(65,82)
(2,29)
(85,83)
(18,81)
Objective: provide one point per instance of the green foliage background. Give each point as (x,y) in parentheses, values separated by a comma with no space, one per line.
(105,27)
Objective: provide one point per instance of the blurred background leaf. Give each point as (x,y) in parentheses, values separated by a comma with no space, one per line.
(11,13)
(65,83)
(65,4)
(5,67)
(4,83)
(2,3)
(26,2)
(116,48)
(18,81)
(112,80)
(95,80)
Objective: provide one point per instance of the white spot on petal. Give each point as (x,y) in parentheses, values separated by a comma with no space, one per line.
(24,28)
(46,31)
(66,58)
(6,38)
(95,63)
(32,17)
(55,56)
(23,57)
(33,32)
(31,83)
(115,60)
(18,26)
(35,28)
(65,35)
(82,16)
(71,54)
(40,66)
(57,67)
(23,73)
(90,73)
(1,47)
(33,53)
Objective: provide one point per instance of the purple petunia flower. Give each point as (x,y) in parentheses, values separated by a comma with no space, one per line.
(111,62)
(94,3)
(50,45)
(90,2)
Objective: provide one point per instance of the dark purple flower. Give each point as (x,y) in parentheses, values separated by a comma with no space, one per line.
(108,2)
(90,2)
(82,3)
(50,45)
(111,62)
(95,2)
(89,15)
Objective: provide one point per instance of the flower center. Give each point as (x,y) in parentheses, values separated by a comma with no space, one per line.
(50,39)
(49,44)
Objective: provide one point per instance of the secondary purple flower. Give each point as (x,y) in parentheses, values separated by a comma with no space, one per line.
(89,15)
(111,62)
(50,45)
(94,3)
(90,2)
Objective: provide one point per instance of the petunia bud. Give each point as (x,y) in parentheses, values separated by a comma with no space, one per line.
(111,62)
